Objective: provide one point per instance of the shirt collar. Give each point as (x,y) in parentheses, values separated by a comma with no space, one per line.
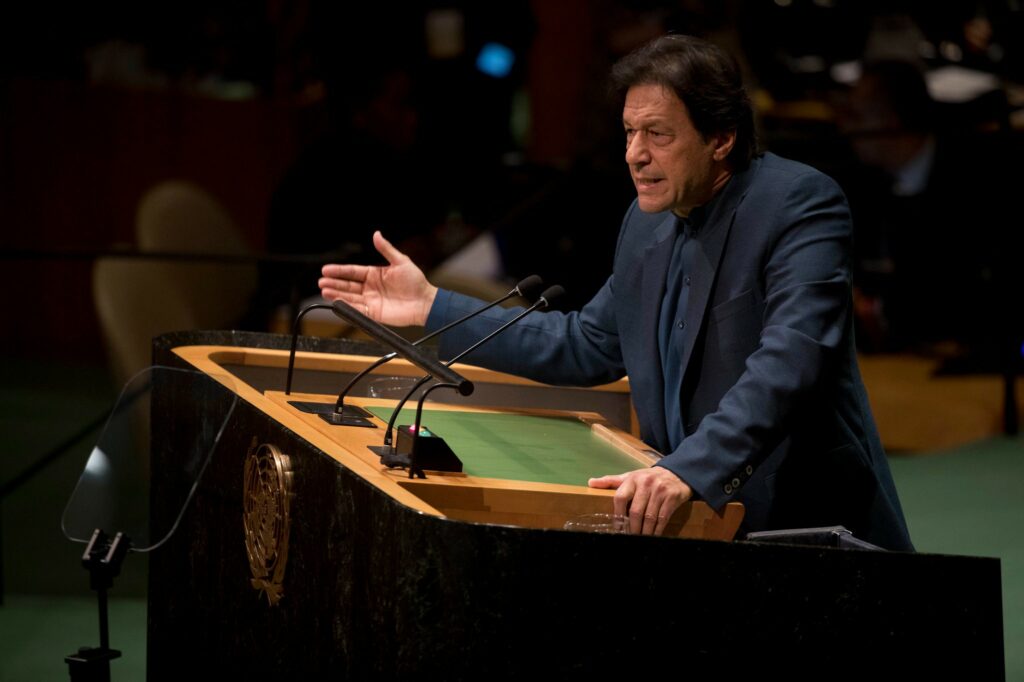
(692,224)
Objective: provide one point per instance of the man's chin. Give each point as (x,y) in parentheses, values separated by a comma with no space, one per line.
(650,206)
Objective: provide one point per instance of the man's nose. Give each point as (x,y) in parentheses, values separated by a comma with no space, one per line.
(636,150)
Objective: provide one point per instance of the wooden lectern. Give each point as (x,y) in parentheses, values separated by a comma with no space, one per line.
(303,557)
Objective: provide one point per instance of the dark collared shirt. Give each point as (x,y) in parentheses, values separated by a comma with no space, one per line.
(672,321)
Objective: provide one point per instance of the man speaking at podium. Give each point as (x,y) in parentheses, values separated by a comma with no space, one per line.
(728,307)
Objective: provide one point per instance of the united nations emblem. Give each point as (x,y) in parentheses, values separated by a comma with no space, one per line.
(266,516)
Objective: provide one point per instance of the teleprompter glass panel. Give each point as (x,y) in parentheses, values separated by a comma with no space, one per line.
(118,487)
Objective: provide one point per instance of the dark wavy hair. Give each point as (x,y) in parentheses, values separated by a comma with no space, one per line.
(704,77)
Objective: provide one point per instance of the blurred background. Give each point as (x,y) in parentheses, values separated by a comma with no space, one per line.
(267,138)
(190,165)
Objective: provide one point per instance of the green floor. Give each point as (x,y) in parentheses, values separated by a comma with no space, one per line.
(965,501)
(969,501)
(38,631)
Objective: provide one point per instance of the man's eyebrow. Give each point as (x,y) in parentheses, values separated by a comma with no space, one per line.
(645,122)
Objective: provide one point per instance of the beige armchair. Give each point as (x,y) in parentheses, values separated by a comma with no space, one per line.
(137,299)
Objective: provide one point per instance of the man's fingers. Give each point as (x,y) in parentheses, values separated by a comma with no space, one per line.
(659,500)
(355,273)
(664,513)
(637,506)
(650,517)
(355,300)
(620,503)
(392,255)
(338,287)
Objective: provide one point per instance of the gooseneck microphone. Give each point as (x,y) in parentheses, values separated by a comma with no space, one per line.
(407,350)
(342,415)
(527,288)
(295,341)
(389,451)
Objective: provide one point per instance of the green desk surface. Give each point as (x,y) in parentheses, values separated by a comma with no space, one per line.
(522,447)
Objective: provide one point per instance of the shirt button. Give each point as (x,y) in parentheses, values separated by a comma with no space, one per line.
(680,324)
(686,280)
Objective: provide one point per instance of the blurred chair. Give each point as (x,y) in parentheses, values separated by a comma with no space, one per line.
(135,301)
(180,217)
(138,299)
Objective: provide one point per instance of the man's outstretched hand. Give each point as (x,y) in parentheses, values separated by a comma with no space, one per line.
(396,294)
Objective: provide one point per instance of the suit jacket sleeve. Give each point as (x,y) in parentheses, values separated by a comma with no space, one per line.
(568,349)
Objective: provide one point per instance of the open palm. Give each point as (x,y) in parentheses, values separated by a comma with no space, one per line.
(397,294)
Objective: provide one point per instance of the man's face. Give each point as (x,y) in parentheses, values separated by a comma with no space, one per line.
(673,166)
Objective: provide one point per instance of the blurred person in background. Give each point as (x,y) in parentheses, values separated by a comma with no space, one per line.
(930,204)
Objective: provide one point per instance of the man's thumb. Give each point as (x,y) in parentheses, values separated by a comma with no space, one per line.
(392,255)
(611,482)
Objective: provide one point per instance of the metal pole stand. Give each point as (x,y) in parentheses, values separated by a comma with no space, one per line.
(103,559)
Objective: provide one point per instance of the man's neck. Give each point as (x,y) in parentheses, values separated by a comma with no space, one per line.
(721,180)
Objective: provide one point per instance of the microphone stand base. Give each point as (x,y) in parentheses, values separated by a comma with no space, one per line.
(391,459)
(335,419)
(91,664)
(351,416)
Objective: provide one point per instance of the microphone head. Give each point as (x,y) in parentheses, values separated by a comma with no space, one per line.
(530,286)
(550,294)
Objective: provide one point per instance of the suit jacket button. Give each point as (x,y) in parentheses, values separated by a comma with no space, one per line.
(735,483)
(749,470)
(727,489)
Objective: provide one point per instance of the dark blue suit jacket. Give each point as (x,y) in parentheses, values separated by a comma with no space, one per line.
(773,407)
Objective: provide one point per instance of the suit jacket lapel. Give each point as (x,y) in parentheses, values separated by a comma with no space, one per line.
(655,264)
(711,242)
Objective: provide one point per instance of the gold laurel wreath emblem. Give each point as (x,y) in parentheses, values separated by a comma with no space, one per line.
(266,516)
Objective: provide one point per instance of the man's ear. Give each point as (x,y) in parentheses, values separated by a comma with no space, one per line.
(724,142)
